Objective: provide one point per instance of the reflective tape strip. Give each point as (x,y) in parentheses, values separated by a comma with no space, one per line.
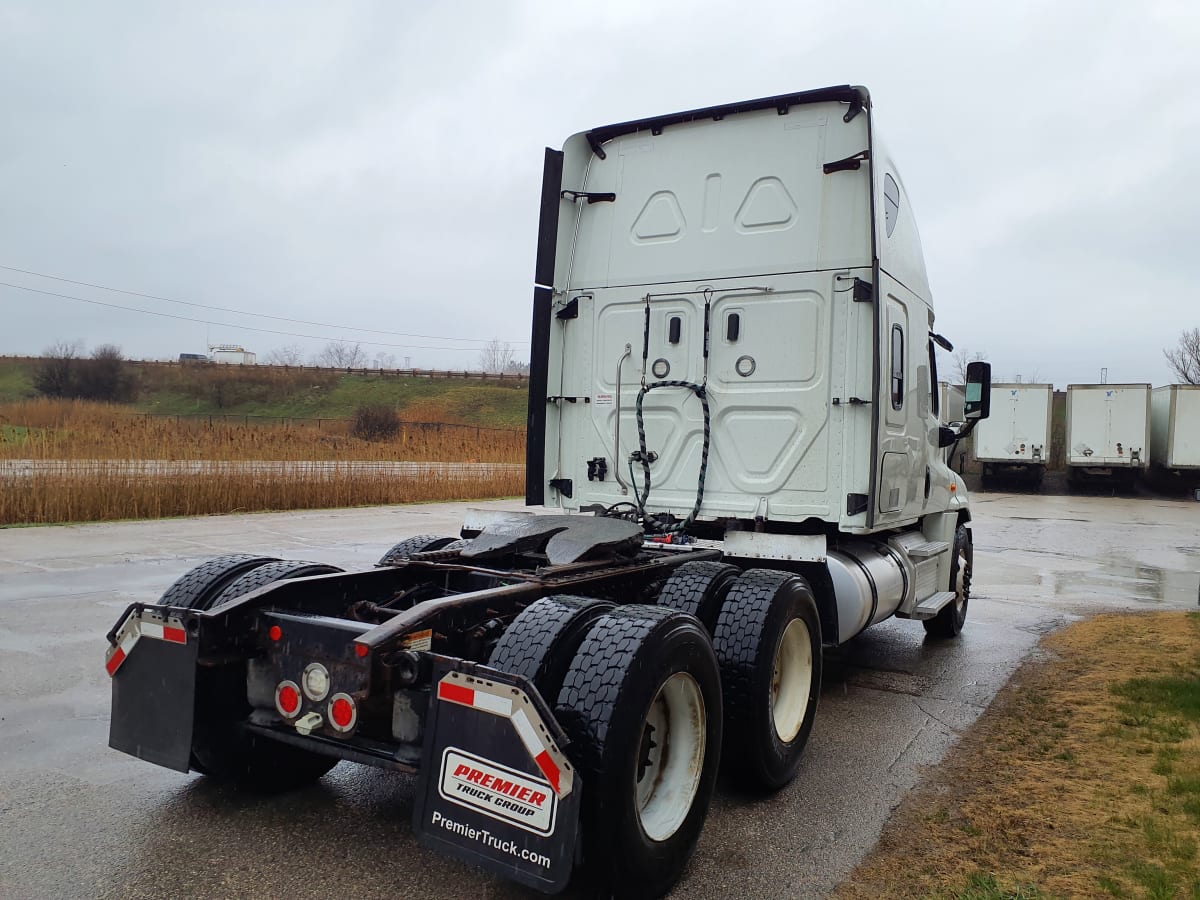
(481,700)
(539,751)
(171,630)
(498,705)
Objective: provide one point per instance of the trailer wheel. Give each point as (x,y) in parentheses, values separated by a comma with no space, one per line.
(949,621)
(768,642)
(699,588)
(197,588)
(641,705)
(421,543)
(541,642)
(269,574)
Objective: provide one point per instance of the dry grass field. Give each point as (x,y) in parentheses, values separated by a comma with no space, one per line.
(1081,780)
(74,430)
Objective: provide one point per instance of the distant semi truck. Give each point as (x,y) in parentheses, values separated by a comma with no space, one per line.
(1175,431)
(1015,440)
(1108,430)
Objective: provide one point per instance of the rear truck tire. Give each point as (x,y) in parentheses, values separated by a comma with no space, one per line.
(421,543)
(699,588)
(641,705)
(219,748)
(199,587)
(949,621)
(269,574)
(541,642)
(768,643)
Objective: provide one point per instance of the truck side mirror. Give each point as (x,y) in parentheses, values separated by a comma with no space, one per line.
(978,403)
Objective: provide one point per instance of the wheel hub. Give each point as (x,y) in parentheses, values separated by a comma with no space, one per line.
(670,756)
(791,680)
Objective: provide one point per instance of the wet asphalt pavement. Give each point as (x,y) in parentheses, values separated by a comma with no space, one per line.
(80,820)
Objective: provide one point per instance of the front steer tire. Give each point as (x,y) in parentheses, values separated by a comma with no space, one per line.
(641,706)
(949,621)
(768,642)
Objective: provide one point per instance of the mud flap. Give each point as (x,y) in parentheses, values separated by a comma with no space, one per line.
(153,669)
(495,788)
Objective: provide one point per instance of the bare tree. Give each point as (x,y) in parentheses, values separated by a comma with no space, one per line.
(54,374)
(105,376)
(385,360)
(962,358)
(289,355)
(341,355)
(1185,359)
(495,356)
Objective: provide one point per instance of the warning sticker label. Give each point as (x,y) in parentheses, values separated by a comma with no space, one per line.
(603,400)
(497,791)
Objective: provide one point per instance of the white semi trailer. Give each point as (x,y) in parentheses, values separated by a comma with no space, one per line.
(733,396)
(1015,439)
(1108,431)
(1175,431)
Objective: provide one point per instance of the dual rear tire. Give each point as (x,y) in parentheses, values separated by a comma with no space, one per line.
(653,705)
(219,747)
(640,701)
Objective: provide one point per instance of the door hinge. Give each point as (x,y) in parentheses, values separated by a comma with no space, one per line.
(855,504)
(570,310)
(853,401)
(562,485)
(864,291)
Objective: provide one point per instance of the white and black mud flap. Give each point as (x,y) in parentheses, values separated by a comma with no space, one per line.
(152,663)
(495,788)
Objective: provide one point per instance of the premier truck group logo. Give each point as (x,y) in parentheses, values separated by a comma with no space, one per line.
(497,791)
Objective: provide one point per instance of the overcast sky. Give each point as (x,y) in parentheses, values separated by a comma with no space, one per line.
(378,166)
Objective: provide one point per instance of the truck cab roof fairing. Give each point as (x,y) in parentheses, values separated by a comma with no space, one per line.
(856,96)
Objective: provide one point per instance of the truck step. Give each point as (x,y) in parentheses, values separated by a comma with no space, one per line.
(928,549)
(932,605)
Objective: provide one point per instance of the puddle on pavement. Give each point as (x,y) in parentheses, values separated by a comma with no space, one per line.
(1117,580)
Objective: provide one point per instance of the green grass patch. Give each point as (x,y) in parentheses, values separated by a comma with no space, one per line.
(15,380)
(984,886)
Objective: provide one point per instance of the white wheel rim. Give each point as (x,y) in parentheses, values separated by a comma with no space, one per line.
(960,593)
(791,681)
(670,756)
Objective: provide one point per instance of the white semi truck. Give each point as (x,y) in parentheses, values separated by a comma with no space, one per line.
(1175,431)
(1108,431)
(1015,440)
(734,407)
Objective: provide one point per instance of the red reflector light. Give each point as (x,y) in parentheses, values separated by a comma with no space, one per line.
(276,633)
(342,712)
(361,650)
(287,699)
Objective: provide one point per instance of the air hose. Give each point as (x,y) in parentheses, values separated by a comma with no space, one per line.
(643,453)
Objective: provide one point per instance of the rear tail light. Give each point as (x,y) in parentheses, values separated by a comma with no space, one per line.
(287,699)
(343,713)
